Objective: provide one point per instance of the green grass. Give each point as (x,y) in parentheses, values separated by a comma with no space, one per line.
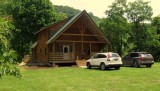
(80,79)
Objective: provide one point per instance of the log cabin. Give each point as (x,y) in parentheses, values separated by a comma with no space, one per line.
(71,39)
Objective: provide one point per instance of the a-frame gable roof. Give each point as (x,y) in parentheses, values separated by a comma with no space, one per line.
(69,23)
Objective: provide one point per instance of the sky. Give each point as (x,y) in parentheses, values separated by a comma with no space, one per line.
(98,7)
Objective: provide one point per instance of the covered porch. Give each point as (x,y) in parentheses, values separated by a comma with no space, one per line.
(69,51)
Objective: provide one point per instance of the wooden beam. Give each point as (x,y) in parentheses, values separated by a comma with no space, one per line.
(78,34)
(80,41)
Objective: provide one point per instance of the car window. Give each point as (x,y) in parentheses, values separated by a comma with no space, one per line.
(115,55)
(101,56)
(146,55)
(134,55)
(95,56)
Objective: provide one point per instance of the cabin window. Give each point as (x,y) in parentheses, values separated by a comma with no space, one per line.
(66,49)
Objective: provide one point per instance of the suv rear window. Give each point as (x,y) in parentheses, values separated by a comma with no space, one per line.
(115,55)
(146,55)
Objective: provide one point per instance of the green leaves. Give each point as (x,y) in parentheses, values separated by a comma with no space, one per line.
(127,30)
(29,16)
(5,33)
(8,66)
(139,11)
(116,27)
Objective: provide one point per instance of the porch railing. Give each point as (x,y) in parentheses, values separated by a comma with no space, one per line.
(64,56)
(60,56)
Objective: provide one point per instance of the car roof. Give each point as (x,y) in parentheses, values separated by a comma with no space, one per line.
(106,53)
(139,52)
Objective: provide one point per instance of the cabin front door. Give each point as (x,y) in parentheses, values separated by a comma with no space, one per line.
(66,51)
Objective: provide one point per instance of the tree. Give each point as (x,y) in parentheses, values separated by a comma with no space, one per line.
(8,66)
(143,35)
(156,23)
(116,27)
(29,16)
(156,47)
(138,13)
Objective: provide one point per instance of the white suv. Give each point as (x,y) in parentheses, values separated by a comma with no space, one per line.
(105,60)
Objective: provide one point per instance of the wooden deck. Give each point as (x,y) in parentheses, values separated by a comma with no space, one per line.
(67,58)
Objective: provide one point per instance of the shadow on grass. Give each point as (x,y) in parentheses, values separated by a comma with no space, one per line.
(98,69)
(142,67)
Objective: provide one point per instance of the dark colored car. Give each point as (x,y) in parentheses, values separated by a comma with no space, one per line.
(137,59)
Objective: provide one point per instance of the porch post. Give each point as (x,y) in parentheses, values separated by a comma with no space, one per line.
(90,45)
(73,53)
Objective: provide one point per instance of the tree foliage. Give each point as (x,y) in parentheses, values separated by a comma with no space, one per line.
(156,47)
(8,66)
(114,28)
(127,30)
(138,12)
(156,23)
(29,16)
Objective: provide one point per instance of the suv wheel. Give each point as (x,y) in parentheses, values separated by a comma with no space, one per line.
(88,66)
(102,66)
(136,64)
(148,65)
(117,68)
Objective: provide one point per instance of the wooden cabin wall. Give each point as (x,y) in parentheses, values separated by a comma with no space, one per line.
(34,55)
(42,48)
(50,48)
(96,47)
(78,51)
(86,50)
(59,47)
(72,30)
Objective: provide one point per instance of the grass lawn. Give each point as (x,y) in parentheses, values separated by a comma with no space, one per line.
(81,79)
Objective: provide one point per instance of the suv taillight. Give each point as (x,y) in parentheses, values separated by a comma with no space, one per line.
(108,57)
(142,58)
